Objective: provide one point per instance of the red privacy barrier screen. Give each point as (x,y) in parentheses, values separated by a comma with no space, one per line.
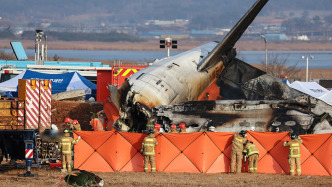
(201,152)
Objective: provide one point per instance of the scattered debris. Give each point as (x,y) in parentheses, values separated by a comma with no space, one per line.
(82,178)
(75,95)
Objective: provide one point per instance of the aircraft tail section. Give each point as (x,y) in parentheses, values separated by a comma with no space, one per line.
(224,48)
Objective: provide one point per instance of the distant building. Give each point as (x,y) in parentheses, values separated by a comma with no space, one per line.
(164,34)
(303,38)
(275,36)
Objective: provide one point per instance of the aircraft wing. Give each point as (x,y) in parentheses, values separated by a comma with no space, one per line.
(223,49)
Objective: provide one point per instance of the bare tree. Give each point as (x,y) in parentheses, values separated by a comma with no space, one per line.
(278,65)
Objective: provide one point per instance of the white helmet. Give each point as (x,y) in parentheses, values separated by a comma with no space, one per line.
(212,128)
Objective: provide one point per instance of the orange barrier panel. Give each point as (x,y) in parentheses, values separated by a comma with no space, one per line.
(201,152)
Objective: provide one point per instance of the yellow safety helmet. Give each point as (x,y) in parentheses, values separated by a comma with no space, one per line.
(66,130)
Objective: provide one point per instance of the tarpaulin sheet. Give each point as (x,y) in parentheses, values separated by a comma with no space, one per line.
(201,152)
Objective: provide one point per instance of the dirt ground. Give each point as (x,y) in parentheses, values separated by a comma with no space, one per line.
(49,177)
(81,111)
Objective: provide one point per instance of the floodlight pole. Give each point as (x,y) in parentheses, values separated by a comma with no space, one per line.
(265,41)
(307,67)
(168,45)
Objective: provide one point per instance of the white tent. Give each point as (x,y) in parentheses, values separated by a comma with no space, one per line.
(327,97)
(313,89)
(11,84)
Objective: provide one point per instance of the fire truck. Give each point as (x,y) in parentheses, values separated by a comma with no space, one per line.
(21,121)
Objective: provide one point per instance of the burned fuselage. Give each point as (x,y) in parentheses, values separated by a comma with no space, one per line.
(252,100)
(176,79)
(157,92)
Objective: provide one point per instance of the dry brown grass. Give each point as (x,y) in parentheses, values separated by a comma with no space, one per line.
(182,45)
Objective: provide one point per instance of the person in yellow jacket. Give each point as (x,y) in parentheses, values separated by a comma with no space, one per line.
(65,145)
(76,126)
(251,151)
(294,154)
(148,150)
(237,148)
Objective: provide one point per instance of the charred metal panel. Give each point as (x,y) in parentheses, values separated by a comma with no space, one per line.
(236,115)
(232,78)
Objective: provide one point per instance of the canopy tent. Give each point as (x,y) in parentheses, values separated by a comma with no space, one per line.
(60,82)
(313,89)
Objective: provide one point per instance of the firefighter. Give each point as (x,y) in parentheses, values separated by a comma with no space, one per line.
(69,123)
(103,118)
(156,128)
(99,124)
(294,153)
(76,125)
(149,126)
(212,129)
(237,148)
(182,128)
(148,150)
(173,128)
(251,151)
(65,146)
(96,124)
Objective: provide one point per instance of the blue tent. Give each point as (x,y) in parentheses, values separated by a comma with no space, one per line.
(60,82)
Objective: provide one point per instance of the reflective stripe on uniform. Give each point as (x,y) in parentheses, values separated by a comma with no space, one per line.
(148,153)
(251,152)
(65,143)
(148,144)
(291,152)
(66,151)
(298,169)
(236,142)
(291,171)
(149,140)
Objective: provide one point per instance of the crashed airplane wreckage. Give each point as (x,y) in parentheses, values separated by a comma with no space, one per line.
(171,91)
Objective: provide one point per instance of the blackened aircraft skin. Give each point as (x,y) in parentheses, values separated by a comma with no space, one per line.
(252,100)
(186,76)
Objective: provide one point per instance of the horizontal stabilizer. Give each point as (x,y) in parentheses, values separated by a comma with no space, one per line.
(232,37)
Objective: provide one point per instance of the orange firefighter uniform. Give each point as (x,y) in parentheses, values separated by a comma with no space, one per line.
(148,150)
(294,155)
(251,151)
(182,128)
(237,148)
(65,145)
(173,129)
(98,124)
